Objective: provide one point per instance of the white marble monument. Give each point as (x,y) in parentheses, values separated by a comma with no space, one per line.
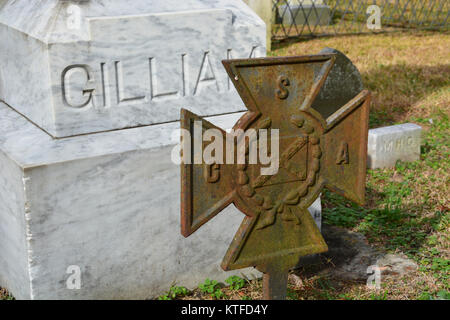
(90,94)
(78,193)
(93,66)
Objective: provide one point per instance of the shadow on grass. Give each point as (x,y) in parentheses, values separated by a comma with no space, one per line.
(398,88)
(393,226)
(278,44)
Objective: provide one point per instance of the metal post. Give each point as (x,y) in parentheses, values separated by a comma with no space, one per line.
(275,285)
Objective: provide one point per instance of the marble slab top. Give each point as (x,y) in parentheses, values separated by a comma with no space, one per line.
(29,146)
(36,18)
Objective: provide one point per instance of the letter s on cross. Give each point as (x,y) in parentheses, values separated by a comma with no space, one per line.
(282,92)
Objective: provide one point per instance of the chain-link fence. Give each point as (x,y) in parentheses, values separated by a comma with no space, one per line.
(310,18)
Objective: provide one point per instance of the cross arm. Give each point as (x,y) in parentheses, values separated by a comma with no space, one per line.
(205,181)
(344,164)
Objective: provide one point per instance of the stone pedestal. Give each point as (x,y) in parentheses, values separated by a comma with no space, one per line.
(107,203)
(91,93)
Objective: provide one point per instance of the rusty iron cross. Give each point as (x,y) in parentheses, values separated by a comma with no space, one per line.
(314,153)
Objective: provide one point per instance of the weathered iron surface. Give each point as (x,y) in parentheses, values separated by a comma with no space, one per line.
(314,153)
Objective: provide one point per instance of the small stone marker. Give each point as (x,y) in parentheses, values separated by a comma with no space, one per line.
(386,145)
(315,153)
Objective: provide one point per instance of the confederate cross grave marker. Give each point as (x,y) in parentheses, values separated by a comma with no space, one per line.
(314,153)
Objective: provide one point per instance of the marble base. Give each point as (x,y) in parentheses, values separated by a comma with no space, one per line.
(107,203)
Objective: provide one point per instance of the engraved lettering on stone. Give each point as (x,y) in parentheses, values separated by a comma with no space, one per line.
(410,141)
(77,85)
(212,172)
(400,144)
(120,86)
(184,73)
(342,157)
(282,92)
(388,146)
(113,80)
(106,89)
(154,83)
(206,76)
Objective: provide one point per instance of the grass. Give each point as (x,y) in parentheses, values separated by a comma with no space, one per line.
(4,295)
(407,206)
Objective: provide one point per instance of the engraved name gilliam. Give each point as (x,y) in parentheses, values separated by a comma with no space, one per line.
(105,84)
